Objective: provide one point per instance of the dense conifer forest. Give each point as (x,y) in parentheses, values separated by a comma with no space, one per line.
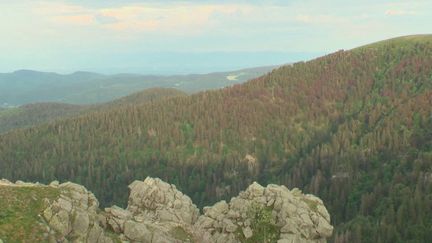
(37,113)
(353,127)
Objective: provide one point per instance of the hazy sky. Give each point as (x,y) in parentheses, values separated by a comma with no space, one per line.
(193,36)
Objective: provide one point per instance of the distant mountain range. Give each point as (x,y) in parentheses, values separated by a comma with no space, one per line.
(26,86)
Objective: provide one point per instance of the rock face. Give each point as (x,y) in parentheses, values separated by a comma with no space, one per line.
(158,212)
(159,201)
(272,213)
(73,215)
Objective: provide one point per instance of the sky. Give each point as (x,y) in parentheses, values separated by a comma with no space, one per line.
(169,36)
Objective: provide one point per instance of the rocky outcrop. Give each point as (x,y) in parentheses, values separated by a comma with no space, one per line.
(158,212)
(267,213)
(159,201)
(74,215)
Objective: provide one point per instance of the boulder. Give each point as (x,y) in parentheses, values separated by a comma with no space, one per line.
(161,201)
(116,218)
(156,212)
(54,184)
(5,182)
(293,216)
(217,209)
(247,232)
(74,214)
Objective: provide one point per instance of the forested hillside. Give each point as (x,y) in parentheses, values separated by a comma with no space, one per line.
(32,114)
(353,127)
(38,113)
(141,97)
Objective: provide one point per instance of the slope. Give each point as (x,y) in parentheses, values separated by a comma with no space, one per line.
(38,113)
(354,127)
(147,95)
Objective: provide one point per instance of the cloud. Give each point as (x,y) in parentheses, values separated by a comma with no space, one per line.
(396,12)
(179,17)
(81,20)
(52,8)
(318,19)
(103,19)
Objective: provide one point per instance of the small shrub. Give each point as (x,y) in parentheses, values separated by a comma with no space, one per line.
(262,225)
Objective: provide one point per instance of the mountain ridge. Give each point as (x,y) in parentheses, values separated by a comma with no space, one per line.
(28,86)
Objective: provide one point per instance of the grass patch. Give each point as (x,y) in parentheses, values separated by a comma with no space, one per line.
(19,212)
